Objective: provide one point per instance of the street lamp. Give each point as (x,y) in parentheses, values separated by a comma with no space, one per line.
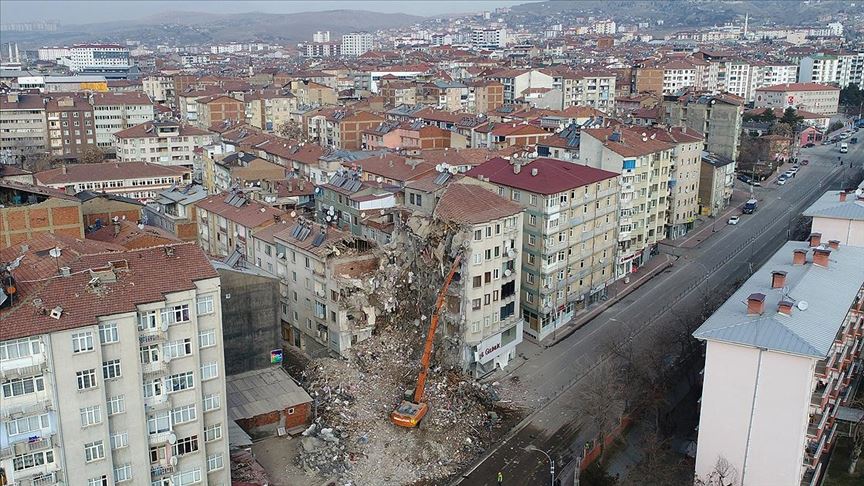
(531,447)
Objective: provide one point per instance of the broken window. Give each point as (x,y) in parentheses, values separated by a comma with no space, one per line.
(508,289)
(508,310)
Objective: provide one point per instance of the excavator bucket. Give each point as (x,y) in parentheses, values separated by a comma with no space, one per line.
(409,414)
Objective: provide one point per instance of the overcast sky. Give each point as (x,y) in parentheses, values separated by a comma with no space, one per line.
(80,12)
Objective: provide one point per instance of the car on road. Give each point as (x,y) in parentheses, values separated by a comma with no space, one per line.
(743,178)
(805,162)
(844,135)
(734,220)
(782,180)
(809,145)
(853,140)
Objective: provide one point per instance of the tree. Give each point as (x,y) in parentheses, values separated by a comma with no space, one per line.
(602,400)
(293,130)
(837,125)
(768,116)
(791,117)
(852,96)
(91,155)
(783,129)
(723,474)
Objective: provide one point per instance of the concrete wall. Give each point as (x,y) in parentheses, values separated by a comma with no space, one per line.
(250,320)
(848,232)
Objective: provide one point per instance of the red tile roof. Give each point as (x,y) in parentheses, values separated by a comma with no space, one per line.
(553,176)
(251,214)
(106,171)
(472,204)
(129,98)
(140,131)
(395,167)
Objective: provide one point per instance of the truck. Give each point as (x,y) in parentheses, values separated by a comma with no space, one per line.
(750,206)
(844,148)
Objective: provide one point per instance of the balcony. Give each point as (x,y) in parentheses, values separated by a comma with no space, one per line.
(154,367)
(158,402)
(161,469)
(160,438)
(148,336)
(28,366)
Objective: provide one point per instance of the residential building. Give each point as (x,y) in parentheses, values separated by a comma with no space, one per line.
(407,137)
(100,388)
(645,165)
(356,44)
(168,143)
(311,93)
(341,128)
(569,234)
(685,175)
(114,112)
(226,222)
(778,364)
(173,210)
(160,89)
(322,49)
(840,68)
(89,57)
(240,168)
(27,211)
(594,89)
(839,215)
(22,127)
(218,109)
(134,180)
(350,202)
(516,81)
(716,183)
(770,74)
(496,136)
(486,313)
(717,117)
(269,109)
(71,130)
(816,98)
(484,96)
(98,209)
(489,38)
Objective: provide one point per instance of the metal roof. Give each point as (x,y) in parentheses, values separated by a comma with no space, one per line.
(830,206)
(829,292)
(257,392)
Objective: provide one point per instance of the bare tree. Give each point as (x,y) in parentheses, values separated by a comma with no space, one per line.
(91,155)
(723,474)
(658,464)
(602,400)
(293,130)
(856,435)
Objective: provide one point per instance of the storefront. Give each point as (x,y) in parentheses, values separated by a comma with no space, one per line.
(497,350)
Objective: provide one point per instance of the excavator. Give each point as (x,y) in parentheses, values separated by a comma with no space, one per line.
(410,413)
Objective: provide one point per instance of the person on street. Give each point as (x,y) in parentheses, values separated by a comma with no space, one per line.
(500,478)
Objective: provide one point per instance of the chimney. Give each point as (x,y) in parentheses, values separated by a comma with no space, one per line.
(799,257)
(534,172)
(517,168)
(116,228)
(820,257)
(785,307)
(63,168)
(65,271)
(778,279)
(815,239)
(755,304)
(842,196)
(834,244)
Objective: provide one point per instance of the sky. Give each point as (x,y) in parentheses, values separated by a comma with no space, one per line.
(81,12)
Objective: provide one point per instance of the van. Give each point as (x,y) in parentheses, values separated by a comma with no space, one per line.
(844,148)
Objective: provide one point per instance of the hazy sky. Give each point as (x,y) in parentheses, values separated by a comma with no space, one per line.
(79,12)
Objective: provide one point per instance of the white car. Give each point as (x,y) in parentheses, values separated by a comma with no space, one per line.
(782,181)
(733,220)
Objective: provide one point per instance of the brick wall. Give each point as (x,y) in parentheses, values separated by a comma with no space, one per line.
(296,416)
(18,224)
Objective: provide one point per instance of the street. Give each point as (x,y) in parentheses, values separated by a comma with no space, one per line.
(552,377)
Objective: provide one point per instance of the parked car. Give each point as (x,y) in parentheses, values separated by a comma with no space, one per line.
(805,162)
(734,220)
(809,144)
(743,178)
(853,140)
(781,180)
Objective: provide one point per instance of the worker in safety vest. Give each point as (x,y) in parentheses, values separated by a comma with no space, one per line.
(500,478)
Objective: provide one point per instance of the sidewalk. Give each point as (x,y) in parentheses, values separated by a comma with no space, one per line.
(617,291)
(709,225)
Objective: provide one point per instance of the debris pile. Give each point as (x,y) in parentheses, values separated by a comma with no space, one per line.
(352,437)
(246,469)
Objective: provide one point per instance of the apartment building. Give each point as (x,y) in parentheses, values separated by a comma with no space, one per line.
(717,117)
(269,109)
(816,98)
(71,130)
(160,89)
(516,81)
(312,93)
(569,234)
(349,201)
(770,74)
(778,362)
(218,109)
(484,96)
(321,49)
(678,74)
(114,112)
(134,180)
(716,183)
(840,68)
(173,210)
(22,127)
(486,315)
(341,128)
(645,165)
(88,57)
(594,89)
(489,38)
(226,222)
(684,178)
(168,143)
(117,376)
(356,44)
(839,215)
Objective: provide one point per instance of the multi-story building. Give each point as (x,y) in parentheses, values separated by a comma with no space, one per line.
(173,210)
(594,89)
(840,68)
(320,36)
(645,165)
(112,373)
(70,126)
(684,178)
(839,215)
(717,117)
(341,128)
(484,96)
(322,49)
(88,57)
(162,142)
(226,222)
(770,74)
(778,362)
(816,98)
(569,234)
(218,109)
(356,44)
(114,112)
(716,183)
(489,38)
(160,89)
(516,81)
(486,315)
(269,109)
(134,180)
(22,127)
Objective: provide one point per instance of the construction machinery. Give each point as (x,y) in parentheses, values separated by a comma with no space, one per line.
(410,412)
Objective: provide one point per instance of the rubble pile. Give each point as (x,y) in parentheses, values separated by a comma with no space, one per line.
(246,469)
(352,437)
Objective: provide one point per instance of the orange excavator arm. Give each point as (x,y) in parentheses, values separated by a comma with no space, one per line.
(430,337)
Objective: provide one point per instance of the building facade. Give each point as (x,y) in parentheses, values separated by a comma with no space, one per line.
(816,98)
(22,127)
(114,112)
(168,143)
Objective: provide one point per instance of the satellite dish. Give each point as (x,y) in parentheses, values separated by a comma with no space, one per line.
(173,460)
(329,218)
(363,215)
(453,170)
(859,192)
(439,167)
(293,214)
(55,252)
(332,209)
(172,439)
(379,179)
(803,305)
(507,272)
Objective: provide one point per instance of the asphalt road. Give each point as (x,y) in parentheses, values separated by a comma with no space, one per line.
(554,376)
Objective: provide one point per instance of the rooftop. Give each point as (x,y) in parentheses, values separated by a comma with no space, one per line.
(258,392)
(106,171)
(830,206)
(472,204)
(552,175)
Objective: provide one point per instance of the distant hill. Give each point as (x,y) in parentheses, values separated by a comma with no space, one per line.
(195,27)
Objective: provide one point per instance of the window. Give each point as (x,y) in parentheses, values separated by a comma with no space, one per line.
(178,349)
(149,354)
(516,195)
(176,314)
(205,304)
(82,342)
(211,402)
(478,281)
(475,304)
(532,220)
(532,199)
(119,441)
(180,381)
(153,388)
(108,333)
(207,338)
(86,379)
(24,425)
(475,326)
(19,348)
(209,371)
(532,240)
(23,386)
(111,369)
(100,481)
(93,451)
(116,405)
(91,415)
(186,445)
(213,432)
(181,415)
(34,459)
(182,478)
(159,422)
(478,235)
(214,462)
(147,320)
(123,473)
(478,258)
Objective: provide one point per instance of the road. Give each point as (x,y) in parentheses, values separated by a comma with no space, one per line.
(552,377)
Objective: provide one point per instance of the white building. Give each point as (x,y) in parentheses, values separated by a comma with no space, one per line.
(604,27)
(121,380)
(53,54)
(842,68)
(778,360)
(770,74)
(321,36)
(97,56)
(161,142)
(838,215)
(114,112)
(489,38)
(821,99)
(135,180)
(356,44)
